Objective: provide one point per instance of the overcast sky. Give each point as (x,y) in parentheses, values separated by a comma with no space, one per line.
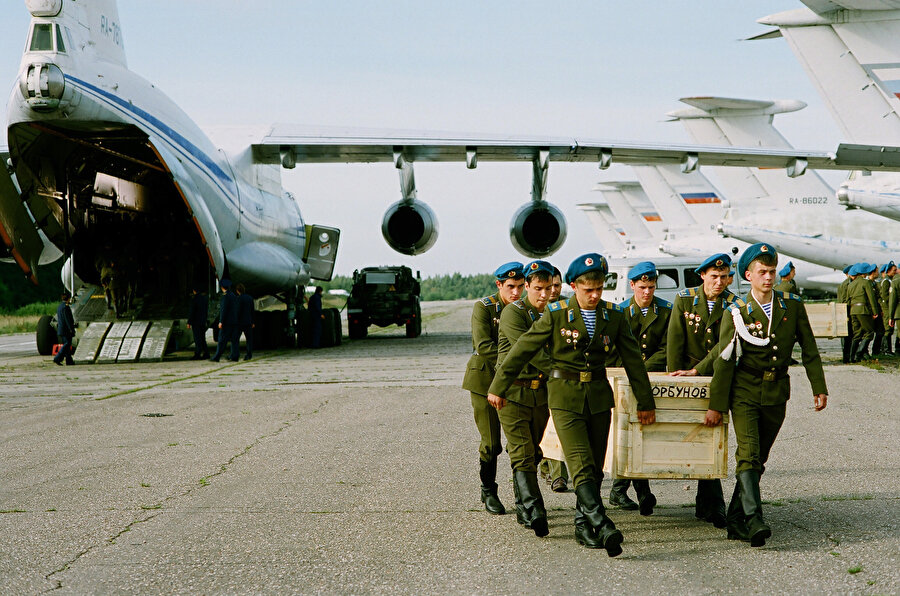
(606,70)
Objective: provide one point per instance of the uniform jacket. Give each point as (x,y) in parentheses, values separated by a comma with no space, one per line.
(245,310)
(315,305)
(884,294)
(789,287)
(228,308)
(694,331)
(894,298)
(571,350)
(485,331)
(65,322)
(862,297)
(651,332)
(199,310)
(790,325)
(515,320)
(843,291)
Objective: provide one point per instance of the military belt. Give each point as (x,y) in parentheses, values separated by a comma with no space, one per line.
(529,383)
(772,374)
(584,376)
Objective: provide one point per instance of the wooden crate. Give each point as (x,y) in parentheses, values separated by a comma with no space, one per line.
(678,445)
(828,320)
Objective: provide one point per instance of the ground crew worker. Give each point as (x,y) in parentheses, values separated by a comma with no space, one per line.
(197,322)
(227,323)
(480,371)
(648,317)
(787,283)
(863,309)
(245,324)
(878,320)
(65,329)
(888,271)
(692,337)
(843,297)
(893,312)
(580,332)
(522,410)
(751,379)
(552,469)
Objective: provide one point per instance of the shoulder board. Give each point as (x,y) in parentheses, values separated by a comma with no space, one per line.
(663,303)
(728,297)
(611,306)
(687,293)
(558,305)
(788,295)
(520,304)
(488,300)
(624,303)
(738,302)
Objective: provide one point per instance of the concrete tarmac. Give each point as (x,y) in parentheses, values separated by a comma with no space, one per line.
(354,470)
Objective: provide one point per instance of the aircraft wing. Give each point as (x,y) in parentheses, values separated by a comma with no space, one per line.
(289,145)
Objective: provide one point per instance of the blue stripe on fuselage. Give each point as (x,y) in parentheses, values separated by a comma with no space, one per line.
(188,149)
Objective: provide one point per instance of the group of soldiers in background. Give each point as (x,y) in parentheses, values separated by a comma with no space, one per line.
(873,310)
(534,354)
(235,318)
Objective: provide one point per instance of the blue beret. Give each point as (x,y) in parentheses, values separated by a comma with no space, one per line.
(847,270)
(589,262)
(644,271)
(537,266)
(718,260)
(753,251)
(786,269)
(225,283)
(856,268)
(870,267)
(510,270)
(886,266)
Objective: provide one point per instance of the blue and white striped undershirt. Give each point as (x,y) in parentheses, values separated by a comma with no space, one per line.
(644,310)
(590,321)
(711,304)
(767,308)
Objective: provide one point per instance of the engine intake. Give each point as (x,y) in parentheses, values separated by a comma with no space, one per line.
(409,227)
(538,229)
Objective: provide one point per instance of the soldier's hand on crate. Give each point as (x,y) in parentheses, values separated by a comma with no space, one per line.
(496,401)
(646,416)
(684,373)
(821,400)
(713,418)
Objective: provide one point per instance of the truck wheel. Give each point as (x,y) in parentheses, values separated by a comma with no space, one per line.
(357,330)
(46,335)
(338,327)
(414,327)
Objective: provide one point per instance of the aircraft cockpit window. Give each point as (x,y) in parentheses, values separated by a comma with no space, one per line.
(60,46)
(42,38)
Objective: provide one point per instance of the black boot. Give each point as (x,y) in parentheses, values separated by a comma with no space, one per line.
(751,502)
(618,495)
(862,351)
(532,502)
(488,473)
(710,502)
(876,344)
(897,344)
(886,346)
(584,531)
(734,519)
(854,347)
(588,499)
(521,517)
(646,499)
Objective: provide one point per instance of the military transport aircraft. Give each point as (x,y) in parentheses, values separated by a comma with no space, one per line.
(113,172)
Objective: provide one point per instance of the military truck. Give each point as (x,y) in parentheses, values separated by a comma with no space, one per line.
(384,296)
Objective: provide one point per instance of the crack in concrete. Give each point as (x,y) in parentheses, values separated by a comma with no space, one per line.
(203,482)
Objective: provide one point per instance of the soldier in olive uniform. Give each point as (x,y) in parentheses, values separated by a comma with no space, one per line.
(863,310)
(480,371)
(648,317)
(692,338)
(787,283)
(888,271)
(751,379)
(878,320)
(843,297)
(552,469)
(892,316)
(580,333)
(523,409)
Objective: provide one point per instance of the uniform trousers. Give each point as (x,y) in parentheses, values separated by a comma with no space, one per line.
(554,469)
(863,327)
(524,428)
(755,425)
(200,348)
(488,423)
(583,437)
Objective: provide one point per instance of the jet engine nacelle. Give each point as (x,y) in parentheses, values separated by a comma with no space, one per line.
(538,229)
(409,227)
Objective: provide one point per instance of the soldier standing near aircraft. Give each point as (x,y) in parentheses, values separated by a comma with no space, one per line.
(245,323)
(316,316)
(648,317)
(888,271)
(480,371)
(580,333)
(552,469)
(893,312)
(522,410)
(843,297)
(863,310)
(65,329)
(197,322)
(751,379)
(787,283)
(692,337)
(879,313)
(228,308)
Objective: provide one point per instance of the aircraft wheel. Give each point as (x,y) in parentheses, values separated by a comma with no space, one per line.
(46,335)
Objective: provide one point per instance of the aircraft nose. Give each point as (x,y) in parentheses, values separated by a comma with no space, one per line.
(42,85)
